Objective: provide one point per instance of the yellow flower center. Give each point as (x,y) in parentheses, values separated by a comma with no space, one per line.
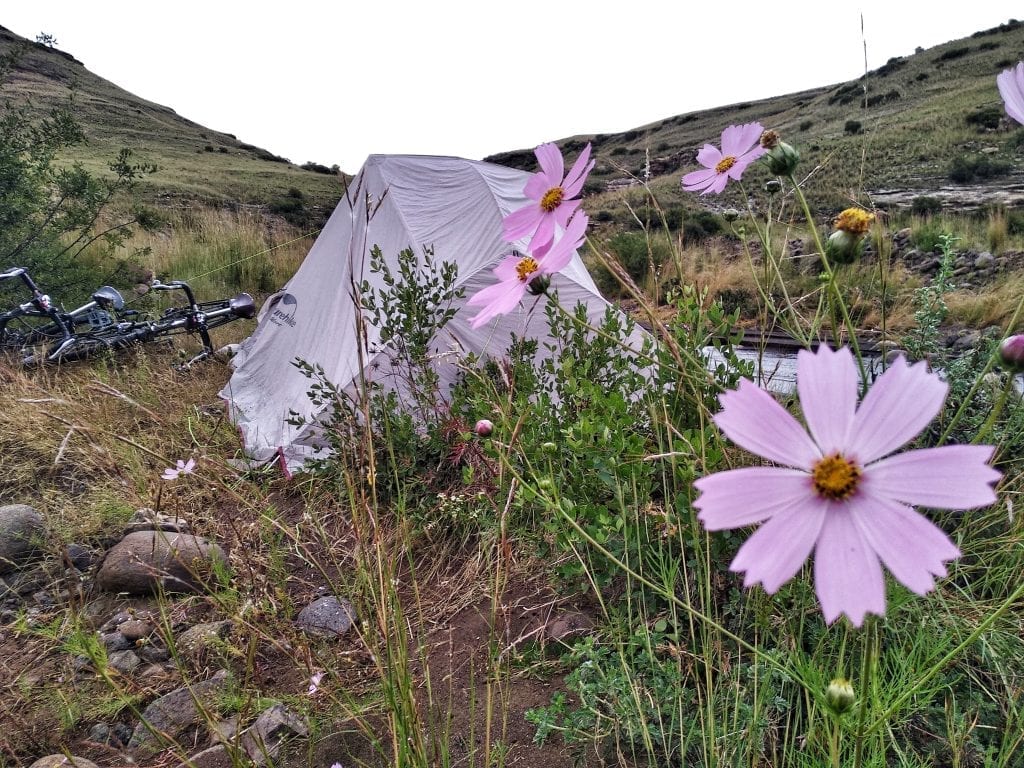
(525,268)
(855,221)
(552,199)
(836,477)
(725,164)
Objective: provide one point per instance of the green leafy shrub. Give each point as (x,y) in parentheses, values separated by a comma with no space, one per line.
(852,127)
(985,118)
(925,205)
(805,125)
(953,53)
(965,169)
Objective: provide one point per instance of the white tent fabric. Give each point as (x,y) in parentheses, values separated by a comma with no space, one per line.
(449,205)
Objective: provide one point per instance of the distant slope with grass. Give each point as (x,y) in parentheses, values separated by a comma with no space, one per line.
(195,163)
(919,124)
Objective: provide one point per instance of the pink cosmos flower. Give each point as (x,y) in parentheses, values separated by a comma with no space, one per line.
(835,494)
(551,195)
(1011,88)
(182,468)
(517,271)
(740,147)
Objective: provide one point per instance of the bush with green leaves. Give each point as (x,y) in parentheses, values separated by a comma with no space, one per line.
(50,211)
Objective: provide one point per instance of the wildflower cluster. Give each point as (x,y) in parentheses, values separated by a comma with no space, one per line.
(839,490)
(555,226)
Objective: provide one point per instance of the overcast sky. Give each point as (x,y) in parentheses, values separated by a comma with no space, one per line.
(335,81)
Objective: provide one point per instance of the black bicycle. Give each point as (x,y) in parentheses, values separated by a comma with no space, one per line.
(41,322)
(197,318)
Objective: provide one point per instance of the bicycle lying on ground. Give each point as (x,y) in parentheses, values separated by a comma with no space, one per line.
(92,328)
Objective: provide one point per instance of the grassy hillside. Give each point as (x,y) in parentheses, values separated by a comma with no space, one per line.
(195,163)
(915,115)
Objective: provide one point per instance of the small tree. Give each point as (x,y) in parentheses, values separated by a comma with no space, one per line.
(49,211)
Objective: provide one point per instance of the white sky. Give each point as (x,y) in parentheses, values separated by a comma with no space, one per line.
(335,81)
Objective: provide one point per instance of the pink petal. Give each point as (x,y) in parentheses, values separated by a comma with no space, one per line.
(717,185)
(561,253)
(522,222)
(827,383)
(709,156)
(189,465)
(752,419)
(1011,87)
(565,211)
(742,162)
(544,235)
(847,574)
(899,405)
(912,547)
(537,186)
(699,179)
(949,477)
(490,293)
(739,497)
(573,183)
(778,549)
(550,158)
(508,270)
(740,139)
(501,303)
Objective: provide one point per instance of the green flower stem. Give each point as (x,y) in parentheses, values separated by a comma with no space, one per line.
(686,607)
(831,275)
(983,627)
(997,410)
(866,670)
(977,382)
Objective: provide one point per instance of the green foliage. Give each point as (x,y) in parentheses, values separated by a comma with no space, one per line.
(930,310)
(806,125)
(49,211)
(638,253)
(967,168)
(953,53)
(985,118)
(929,236)
(925,205)
(852,127)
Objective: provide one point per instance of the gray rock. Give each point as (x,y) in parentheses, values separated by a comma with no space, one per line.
(966,341)
(147,561)
(81,557)
(155,654)
(326,617)
(135,629)
(263,739)
(196,642)
(171,714)
(63,761)
(100,733)
(983,260)
(115,641)
(116,620)
(146,519)
(21,533)
(124,662)
(218,756)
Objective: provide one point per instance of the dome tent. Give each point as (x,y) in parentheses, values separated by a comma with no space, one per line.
(448,206)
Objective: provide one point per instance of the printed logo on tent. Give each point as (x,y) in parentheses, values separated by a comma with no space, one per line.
(284,311)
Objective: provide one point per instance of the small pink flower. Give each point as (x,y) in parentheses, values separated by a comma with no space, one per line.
(516,272)
(1011,88)
(835,493)
(551,195)
(740,147)
(314,683)
(182,468)
(484,427)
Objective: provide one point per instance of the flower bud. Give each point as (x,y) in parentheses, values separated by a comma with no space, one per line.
(842,247)
(783,159)
(839,695)
(730,214)
(483,428)
(539,285)
(770,139)
(1011,352)
(773,186)
(548,447)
